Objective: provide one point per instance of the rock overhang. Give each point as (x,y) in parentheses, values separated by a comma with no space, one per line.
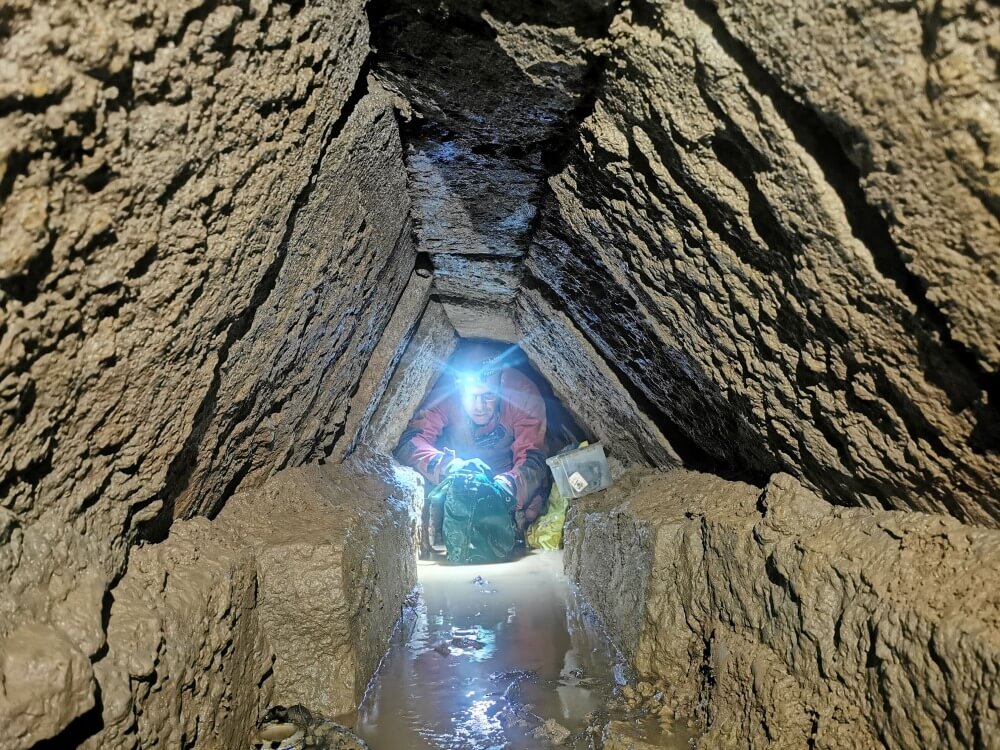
(707,221)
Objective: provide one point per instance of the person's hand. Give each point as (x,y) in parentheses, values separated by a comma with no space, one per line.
(520,520)
(470,466)
(504,484)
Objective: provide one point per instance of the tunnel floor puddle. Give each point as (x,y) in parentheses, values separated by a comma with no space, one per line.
(487,656)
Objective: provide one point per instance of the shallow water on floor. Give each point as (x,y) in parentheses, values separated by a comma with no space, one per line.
(490,652)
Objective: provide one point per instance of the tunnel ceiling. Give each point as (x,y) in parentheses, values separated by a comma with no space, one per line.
(496,91)
(781,237)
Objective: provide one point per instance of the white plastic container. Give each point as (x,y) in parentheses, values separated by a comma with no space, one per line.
(581,471)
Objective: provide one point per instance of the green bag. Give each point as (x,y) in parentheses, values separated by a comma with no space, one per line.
(478,527)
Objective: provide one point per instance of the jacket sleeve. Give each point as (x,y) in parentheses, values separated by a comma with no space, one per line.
(417,447)
(529,472)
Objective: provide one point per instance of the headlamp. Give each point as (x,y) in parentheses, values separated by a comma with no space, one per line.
(467,379)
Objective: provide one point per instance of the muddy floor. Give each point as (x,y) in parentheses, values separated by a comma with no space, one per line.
(499,656)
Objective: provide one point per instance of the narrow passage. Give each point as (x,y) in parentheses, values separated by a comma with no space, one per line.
(488,655)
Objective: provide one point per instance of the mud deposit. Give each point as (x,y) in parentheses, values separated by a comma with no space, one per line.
(498,656)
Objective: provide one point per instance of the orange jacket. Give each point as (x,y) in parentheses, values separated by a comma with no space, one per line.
(512,443)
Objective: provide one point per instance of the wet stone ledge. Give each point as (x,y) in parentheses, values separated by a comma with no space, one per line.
(779,620)
(288,596)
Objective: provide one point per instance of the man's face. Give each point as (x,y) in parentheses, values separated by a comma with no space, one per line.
(480,400)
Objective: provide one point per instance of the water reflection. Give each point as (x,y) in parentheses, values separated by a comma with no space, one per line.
(491,652)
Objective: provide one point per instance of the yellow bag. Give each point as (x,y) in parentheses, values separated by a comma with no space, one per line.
(547,531)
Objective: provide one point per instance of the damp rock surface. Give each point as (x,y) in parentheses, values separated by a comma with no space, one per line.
(188,658)
(749,239)
(287,394)
(203,231)
(782,620)
(48,684)
(432,343)
(335,559)
(298,728)
(777,226)
(907,94)
(288,596)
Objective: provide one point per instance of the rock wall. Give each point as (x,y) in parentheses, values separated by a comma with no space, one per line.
(288,596)
(767,237)
(286,394)
(335,555)
(588,387)
(780,221)
(203,230)
(432,344)
(386,359)
(909,95)
(188,662)
(781,621)
(493,87)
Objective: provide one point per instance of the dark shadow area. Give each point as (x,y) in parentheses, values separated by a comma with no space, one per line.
(707,428)
(81,729)
(486,134)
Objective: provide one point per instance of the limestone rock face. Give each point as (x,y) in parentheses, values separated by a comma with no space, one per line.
(288,596)
(588,387)
(48,684)
(188,662)
(203,230)
(432,343)
(781,621)
(335,557)
(493,88)
(386,360)
(746,227)
(284,397)
(909,96)
(777,223)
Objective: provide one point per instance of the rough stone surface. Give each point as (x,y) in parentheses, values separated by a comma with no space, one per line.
(288,596)
(188,662)
(910,94)
(335,554)
(779,221)
(476,146)
(712,236)
(492,281)
(773,228)
(384,361)
(617,736)
(286,396)
(587,387)
(47,684)
(317,732)
(492,88)
(782,621)
(478,320)
(432,344)
(201,236)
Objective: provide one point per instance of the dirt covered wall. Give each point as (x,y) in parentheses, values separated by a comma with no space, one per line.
(788,218)
(777,223)
(203,231)
(288,596)
(777,620)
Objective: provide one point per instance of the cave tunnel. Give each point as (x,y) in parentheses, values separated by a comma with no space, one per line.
(751,250)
